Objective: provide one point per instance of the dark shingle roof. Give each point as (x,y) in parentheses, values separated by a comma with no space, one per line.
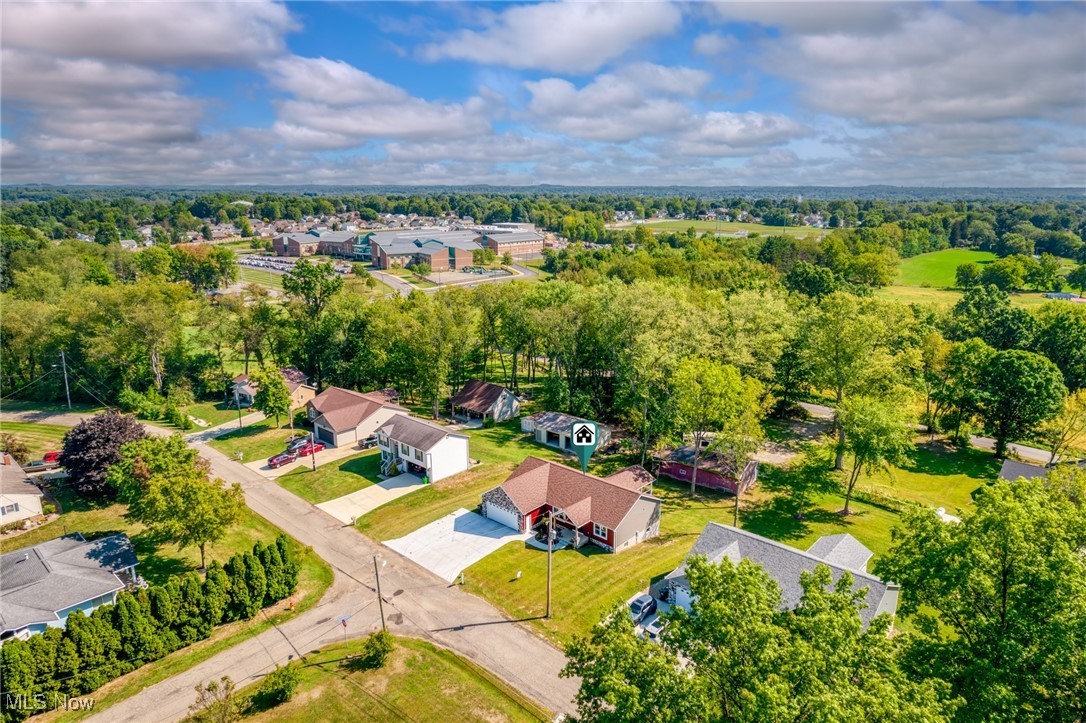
(1012,470)
(557,421)
(478,396)
(784,564)
(14,481)
(342,409)
(414,432)
(37,582)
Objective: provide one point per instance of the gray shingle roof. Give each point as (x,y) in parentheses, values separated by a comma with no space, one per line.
(557,421)
(14,481)
(412,241)
(37,582)
(1012,470)
(414,432)
(843,550)
(784,564)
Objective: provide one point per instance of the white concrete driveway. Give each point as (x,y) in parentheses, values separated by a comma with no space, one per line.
(455,542)
(325,456)
(349,507)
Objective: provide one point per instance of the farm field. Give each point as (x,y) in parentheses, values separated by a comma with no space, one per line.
(418,682)
(727,227)
(937,268)
(40,438)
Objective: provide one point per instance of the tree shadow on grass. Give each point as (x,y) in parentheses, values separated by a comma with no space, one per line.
(787,518)
(940,459)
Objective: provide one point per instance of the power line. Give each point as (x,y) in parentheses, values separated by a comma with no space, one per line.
(20,389)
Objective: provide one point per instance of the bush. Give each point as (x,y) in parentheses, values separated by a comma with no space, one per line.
(375,651)
(48,509)
(277,688)
(488,422)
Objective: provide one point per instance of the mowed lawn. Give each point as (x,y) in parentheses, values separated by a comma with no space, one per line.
(936,475)
(727,227)
(40,438)
(260,277)
(419,682)
(938,267)
(948,297)
(214,413)
(256,441)
(334,479)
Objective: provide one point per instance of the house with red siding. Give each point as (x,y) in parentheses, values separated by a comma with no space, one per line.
(714,471)
(613,512)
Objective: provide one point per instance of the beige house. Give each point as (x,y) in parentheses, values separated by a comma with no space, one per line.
(343,416)
(297,382)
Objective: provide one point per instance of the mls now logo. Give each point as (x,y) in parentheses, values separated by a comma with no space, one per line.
(583,436)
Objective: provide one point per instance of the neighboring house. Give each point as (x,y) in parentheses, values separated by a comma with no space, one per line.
(20,499)
(297,382)
(613,512)
(1012,470)
(553,428)
(784,564)
(714,472)
(483,400)
(343,416)
(421,448)
(41,585)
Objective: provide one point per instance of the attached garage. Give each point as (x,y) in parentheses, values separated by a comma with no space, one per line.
(503,516)
(325,435)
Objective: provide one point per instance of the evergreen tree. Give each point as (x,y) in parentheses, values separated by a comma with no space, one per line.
(215,600)
(240,600)
(256,582)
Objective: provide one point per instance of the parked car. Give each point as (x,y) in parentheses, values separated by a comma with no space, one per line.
(310,448)
(295,443)
(368,443)
(655,627)
(283,458)
(642,607)
(51,458)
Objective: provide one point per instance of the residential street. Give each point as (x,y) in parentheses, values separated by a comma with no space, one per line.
(417,603)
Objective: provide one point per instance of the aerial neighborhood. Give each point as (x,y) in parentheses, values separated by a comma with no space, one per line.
(608,362)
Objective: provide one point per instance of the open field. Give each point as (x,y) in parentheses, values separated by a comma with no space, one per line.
(419,682)
(40,438)
(948,297)
(334,479)
(270,279)
(728,227)
(255,441)
(214,413)
(937,268)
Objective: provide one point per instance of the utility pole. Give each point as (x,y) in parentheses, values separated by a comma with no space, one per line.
(550,554)
(237,404)
(380,602)
(64,366)
(313,454)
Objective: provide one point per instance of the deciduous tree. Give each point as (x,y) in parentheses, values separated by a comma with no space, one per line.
(1018,390)
(92,446)
(877,432)
(272,396)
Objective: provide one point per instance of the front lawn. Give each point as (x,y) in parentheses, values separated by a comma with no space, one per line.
(255,441)
(418,682)
(40,438)
(589,581)
(334,479)
(214,413)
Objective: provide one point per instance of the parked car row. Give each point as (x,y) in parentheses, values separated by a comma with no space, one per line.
(296,447)
(641,609)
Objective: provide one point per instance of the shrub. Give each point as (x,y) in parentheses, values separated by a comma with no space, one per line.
(277,688)
(375,651)
(16,447)
(488,422)
(48,509)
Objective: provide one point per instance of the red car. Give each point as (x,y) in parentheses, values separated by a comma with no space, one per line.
(310,448)
(51,458)
(280,459)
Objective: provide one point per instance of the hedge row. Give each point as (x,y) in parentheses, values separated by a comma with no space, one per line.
(142,626)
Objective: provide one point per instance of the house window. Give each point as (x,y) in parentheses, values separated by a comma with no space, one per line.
(599,531)
(418,454)
(10,508)
(382,440)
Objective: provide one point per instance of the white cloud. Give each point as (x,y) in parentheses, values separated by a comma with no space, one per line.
(674,80)
(332,82)
(563,37)
(714,43)
(722,133)
(167,33)
(952,64)
(819,16)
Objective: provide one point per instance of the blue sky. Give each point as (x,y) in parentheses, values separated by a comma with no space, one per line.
(652,93)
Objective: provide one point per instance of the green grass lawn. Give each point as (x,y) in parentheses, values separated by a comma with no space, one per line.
(334,479)
(727,227)
(937,268)
(948,297)
(214,413)
(936,476)
(40,438)
(419,682)
(61,407)
(255,441)
(270,279)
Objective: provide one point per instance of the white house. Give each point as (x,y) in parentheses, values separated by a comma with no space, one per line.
(19,498)
(421,448)
(342,416)
(482,400)
(552,429)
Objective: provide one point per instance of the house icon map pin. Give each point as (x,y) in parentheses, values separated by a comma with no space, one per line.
(583,437)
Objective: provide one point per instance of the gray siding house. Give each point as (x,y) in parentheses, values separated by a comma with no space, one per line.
(552,429)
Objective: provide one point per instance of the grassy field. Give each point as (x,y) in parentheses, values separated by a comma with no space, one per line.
(419,682)
(335,479)
(729,227)
(948,297)
(936,476)
(270,279)
(937,268)
(40,438)
(214,413)
(255,441)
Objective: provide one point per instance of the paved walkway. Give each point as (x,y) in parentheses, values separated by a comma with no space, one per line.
(417,603)
(350,507)
(455,542)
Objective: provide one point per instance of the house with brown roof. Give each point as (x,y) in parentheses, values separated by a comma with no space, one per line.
(422,448)
(614,512)
(242,391)
(483,400)
(343,416)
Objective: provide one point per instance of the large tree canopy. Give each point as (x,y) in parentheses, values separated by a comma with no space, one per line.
(92,446)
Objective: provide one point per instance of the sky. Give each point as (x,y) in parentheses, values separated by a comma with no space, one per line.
(571,93)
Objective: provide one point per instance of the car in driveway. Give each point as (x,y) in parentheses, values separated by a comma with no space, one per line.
(295,442)
(655,627)
(281,459)
(641,607)
(310,448)
(368,443)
